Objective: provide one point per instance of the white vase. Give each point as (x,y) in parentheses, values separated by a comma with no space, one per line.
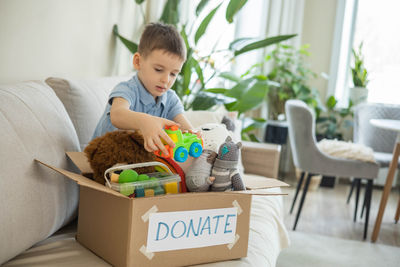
(358,95)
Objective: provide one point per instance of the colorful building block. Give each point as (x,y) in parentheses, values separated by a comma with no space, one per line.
(139,192)
(159,191)
(149,192)
(171,188)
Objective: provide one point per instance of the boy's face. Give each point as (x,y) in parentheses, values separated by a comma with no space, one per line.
(157,70)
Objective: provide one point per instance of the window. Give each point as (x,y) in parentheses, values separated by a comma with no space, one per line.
(376,24)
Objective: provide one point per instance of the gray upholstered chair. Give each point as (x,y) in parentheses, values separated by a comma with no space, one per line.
(380,140)
(311,160)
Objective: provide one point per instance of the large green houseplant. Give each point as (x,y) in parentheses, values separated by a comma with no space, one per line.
(291,74)
(359,74)
(287,79)
(331,121)
(193,79)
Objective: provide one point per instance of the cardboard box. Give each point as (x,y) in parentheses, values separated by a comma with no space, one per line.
(169,230)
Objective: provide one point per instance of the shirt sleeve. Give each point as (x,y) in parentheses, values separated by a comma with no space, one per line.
(125,91)
(175,106)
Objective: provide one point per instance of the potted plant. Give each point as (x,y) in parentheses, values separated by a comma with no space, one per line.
(359,74)
(331,123)
(291,74)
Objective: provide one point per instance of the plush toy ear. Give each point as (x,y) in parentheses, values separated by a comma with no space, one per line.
(239,145)
(228,139)
(229,123)
(91,149)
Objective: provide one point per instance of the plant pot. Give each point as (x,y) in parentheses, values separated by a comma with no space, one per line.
(276,132)
(358,95)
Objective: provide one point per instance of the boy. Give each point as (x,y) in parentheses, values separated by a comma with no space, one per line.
(145,102)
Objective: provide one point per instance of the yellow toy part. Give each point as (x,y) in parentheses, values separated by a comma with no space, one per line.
(171,188)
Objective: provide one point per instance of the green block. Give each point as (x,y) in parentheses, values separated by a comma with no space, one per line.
(143,177)
(159,191)
(127,189)
(128,176)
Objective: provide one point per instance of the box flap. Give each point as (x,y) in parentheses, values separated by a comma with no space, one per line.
(259,192)
(83,181)
(80,160)
(253,182)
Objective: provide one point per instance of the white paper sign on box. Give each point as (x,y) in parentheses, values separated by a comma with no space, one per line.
(191,229)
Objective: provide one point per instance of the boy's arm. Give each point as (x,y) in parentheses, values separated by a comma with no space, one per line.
(184,122)
(151,127)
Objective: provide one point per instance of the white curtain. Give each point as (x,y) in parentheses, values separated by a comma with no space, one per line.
(260,18)
(131,23)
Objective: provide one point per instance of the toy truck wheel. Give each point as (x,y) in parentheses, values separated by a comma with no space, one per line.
(181,154)
(195,150)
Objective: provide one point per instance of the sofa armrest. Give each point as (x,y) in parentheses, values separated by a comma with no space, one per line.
(261,159)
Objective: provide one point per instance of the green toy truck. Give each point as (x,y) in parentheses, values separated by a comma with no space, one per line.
(185,144)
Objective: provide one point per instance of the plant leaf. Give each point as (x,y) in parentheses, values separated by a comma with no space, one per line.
(254,96)
(253,138)
(230,76)
(238,42)
(233,7)
(204,101)
(199,71)
(230,105)
(133,47)
(263,43)
(238,90)
(204,24)
(201,6)
(216,90)
(170,13)
(139,1)
(187,74)
(331,102)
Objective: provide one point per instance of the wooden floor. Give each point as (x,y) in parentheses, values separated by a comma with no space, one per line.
(325,212)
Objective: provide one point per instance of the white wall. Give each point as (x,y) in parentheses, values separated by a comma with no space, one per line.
(318,28)
(71,38)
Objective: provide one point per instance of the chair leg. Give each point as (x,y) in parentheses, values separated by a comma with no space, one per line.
(364,202)
(297,190)
(396,218)
(358,184)
(351,191)
(368,193)
(303,196)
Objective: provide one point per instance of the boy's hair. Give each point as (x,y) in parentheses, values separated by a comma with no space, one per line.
(162,36)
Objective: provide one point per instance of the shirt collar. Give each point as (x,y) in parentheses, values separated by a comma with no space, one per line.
(146,98)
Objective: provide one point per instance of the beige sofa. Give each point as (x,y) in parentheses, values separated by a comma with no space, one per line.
(38,207)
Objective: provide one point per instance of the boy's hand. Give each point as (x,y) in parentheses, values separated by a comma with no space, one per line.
(196,132)
(152,130)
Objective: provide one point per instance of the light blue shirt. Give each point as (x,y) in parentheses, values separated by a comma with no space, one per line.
(140,100)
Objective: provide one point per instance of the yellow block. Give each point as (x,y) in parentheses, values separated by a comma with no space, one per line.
(149,192)
(114,177)
(171,188)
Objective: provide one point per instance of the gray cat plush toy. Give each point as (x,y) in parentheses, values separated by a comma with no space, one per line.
(198,174)
(198,177)
(224,170)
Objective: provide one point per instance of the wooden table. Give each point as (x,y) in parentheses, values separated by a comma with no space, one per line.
(392,125)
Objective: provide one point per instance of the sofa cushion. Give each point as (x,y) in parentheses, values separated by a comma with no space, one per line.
(34,201)
(84,101)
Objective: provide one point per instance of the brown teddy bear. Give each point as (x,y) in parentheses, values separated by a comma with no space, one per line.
(117,147)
